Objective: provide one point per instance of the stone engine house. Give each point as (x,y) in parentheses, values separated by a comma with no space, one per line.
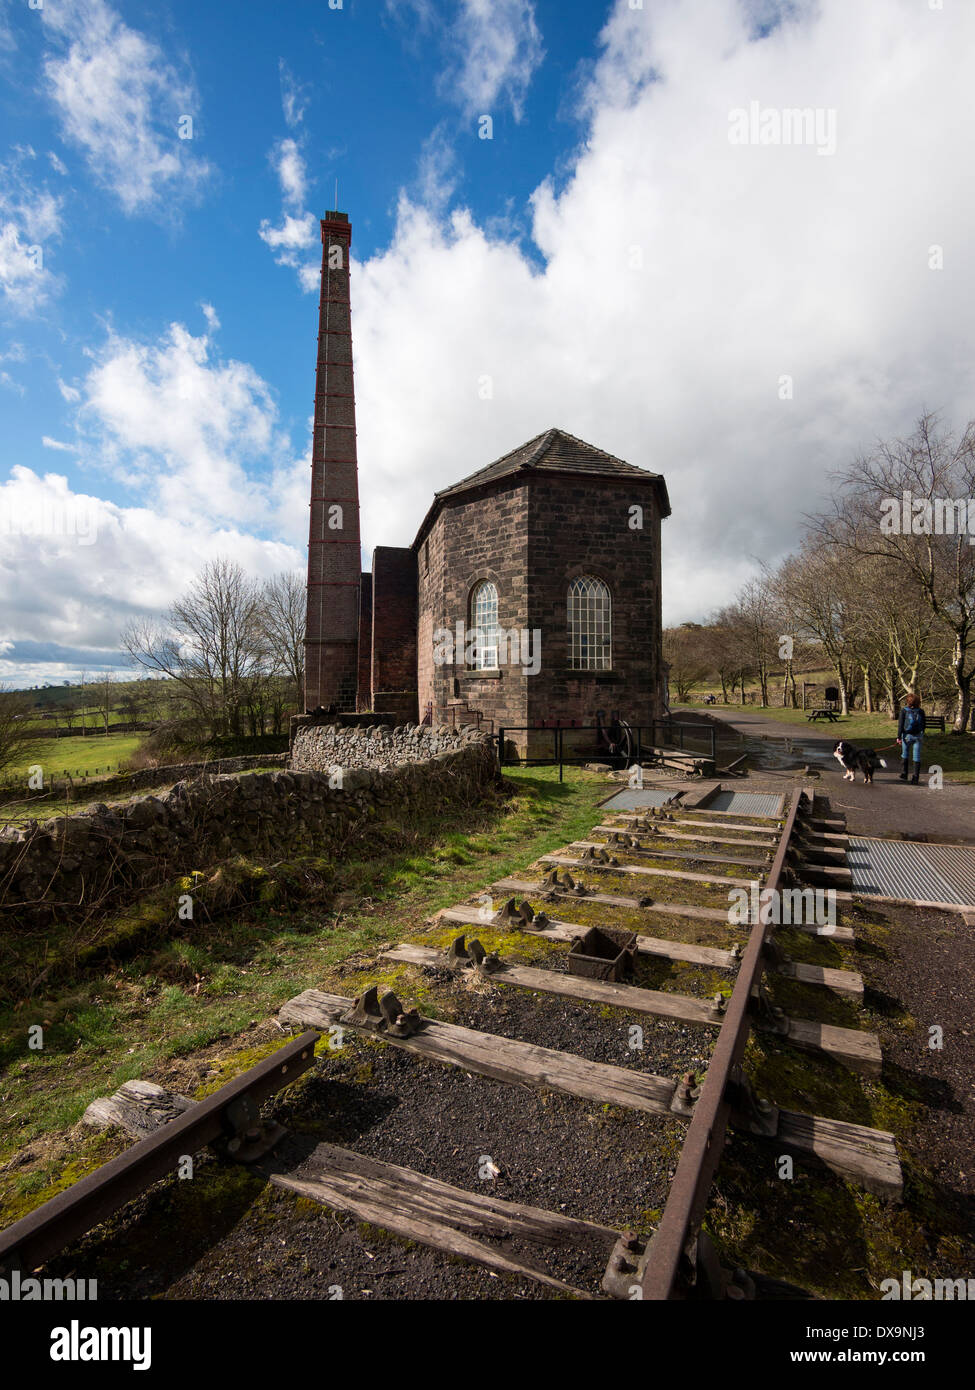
(530,595)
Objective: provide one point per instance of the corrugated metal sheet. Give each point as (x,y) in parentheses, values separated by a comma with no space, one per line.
(916,873)
(633,800)
(746,803)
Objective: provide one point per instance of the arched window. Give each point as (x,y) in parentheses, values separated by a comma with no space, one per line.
(484,621)
(590,625)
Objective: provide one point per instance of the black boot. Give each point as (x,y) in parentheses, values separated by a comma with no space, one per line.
(917,773)
(903,776)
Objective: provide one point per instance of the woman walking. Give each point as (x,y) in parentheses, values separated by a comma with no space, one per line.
(910,731)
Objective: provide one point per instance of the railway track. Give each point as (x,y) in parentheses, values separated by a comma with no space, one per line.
(608,879)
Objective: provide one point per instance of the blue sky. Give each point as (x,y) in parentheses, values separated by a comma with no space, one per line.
(614,261)
(364,79)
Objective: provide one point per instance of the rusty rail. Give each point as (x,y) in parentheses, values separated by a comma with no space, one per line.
(36,1237)
(701,1151)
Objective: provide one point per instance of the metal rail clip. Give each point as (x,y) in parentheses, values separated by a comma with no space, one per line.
(566,884)
(386,1015)
(472,954)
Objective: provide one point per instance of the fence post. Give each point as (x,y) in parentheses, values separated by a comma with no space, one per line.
(559,750)
(500,749)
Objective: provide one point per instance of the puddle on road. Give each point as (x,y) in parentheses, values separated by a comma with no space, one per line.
(783,754)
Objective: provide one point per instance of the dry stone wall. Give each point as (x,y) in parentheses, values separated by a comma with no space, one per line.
(104,855)
(68,789)
(322,747)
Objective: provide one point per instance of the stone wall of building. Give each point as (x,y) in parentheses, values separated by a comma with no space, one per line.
(624,557)
(394,627)
(364,697)
(531,540)
(482,535)
(104,856)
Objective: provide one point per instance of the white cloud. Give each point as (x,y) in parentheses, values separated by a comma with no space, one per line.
(197,435)
(420,14)
(758,262)
(294,234)
(30,218)
(69,393)
(50,443)
(122,101)
(294,95)
(497,49)
(57,164)
(291,173)
(298,231)
(438,172)
(75,569)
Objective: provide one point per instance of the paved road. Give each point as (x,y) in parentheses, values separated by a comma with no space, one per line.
(889,807)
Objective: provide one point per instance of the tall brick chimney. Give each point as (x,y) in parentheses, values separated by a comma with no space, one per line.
(332,627)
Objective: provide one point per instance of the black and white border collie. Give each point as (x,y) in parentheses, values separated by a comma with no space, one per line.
(854,760)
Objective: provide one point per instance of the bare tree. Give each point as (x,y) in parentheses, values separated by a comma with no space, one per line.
(282,624)
(722,654)
(15,731)
(758,622)
(684,652)
(818,595)
(209,644)
(105,696)
(923,480)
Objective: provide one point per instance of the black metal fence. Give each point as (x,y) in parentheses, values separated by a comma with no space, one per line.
(621,745)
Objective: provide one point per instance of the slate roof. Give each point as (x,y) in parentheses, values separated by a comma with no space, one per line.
(555,451)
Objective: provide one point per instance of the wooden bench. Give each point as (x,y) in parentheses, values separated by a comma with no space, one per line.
(934,721)
(822,714)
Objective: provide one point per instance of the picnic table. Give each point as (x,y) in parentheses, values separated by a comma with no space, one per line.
(824,713)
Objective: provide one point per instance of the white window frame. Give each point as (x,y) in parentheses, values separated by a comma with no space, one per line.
(483,614)
(589,614)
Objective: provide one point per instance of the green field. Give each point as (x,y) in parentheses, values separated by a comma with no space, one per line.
(83,756)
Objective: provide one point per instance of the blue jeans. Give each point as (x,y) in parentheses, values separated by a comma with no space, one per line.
(911,747)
